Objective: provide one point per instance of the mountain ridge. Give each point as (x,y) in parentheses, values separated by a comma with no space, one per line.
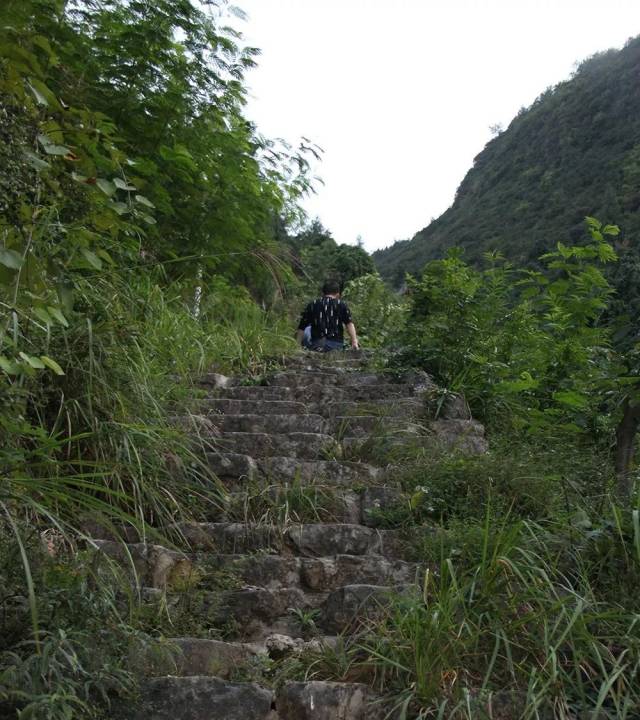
(574,152)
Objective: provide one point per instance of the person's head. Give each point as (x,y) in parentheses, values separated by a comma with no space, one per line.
(331,287)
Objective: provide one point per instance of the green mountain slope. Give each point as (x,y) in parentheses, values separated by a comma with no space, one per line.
(574,152)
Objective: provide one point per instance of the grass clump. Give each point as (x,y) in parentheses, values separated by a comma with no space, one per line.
(523,621)
(76,663)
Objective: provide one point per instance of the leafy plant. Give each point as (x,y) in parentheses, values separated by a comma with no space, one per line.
(526,348)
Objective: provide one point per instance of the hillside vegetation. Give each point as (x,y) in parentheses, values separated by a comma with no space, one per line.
(574,153)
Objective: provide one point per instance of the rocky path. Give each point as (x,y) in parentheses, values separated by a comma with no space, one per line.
(295,558)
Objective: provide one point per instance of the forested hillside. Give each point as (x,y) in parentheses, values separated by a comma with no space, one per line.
(574,153)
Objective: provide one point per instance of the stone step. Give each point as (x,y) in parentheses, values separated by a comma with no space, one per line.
(251,614)
(463,436)
(302,445)
(366,425)
(201,656)
(329,472)
(348,606)
(314,575)
(212,698)
(253,610)
(291,501)
(203,698)
(272,424)
(358,359)
(318,700)
(305,378)
(153,566)
(320,393)
(398,407)
(189,656)
(232,466)
(309,540)
(254,407)
(280,469)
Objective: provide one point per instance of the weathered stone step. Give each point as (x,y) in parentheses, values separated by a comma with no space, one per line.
(272,424)
(189,656)
(464,436)
(211,698)
(232,466)
(320,393)
(254,407)
(251,614)
(291,502)
(349,605)
(317,700)
(310,540)
(203,698)
(398,407)
(348,359)
(305,378)
(281,469)
(329,472)
(314,575)
(201,656)
(254,609)
(149,565)
(303,445)
(366,425)
(330,504)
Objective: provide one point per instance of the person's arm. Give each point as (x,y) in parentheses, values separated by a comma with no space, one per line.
(351,329)
(305,319)
(345,316)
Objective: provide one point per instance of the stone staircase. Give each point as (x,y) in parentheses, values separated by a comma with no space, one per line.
(294,560)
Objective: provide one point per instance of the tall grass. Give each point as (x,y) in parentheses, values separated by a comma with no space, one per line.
(104,434)
(116,440)
(525,629)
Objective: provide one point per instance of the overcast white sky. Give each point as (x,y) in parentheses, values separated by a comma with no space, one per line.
(401,93)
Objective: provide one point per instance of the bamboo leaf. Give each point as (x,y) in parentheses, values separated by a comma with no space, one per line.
(36,162)
(10,367)
(11,259)
(32,361)
(42,314)
(51,148)
(57,315)
(91,258)
(52,364)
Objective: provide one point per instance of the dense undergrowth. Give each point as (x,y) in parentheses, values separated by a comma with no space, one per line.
(526,605)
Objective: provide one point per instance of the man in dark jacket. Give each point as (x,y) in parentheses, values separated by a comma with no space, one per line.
(327,316)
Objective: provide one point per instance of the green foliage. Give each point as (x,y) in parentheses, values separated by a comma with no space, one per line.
(130,186)
(574,152)
(521,627)
(321,258)
(76,667)
(136,231)
(525,347)
(381,314)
